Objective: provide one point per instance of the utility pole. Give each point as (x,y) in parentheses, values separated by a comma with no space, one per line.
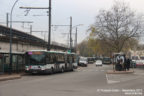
(7,19)
(49,35)
(76,40)
(30,29)
(71,33)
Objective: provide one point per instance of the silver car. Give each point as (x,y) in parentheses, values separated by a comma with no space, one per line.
(98,63)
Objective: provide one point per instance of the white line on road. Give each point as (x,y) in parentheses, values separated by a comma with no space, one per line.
(111,81)
(86,70)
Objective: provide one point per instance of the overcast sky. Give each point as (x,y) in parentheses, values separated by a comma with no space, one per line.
(82,11)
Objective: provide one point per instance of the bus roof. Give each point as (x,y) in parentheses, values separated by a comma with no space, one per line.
(59,52)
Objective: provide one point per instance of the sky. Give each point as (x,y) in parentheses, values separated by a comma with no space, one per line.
(82,11)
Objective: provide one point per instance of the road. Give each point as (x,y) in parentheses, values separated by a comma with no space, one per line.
(84,81)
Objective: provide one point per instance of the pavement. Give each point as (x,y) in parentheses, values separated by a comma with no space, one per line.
(119,72)
(84,81)
(5,77)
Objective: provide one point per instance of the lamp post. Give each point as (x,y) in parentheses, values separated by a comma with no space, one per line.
(11,35)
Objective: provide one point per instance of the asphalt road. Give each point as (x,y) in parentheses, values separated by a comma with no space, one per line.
(84,81)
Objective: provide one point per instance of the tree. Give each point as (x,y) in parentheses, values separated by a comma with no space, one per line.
(117,26)
(99,47)
(84,49)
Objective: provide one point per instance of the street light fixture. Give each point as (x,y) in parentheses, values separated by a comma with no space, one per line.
(11,35)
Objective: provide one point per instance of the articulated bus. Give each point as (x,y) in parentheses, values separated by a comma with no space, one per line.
(49,61)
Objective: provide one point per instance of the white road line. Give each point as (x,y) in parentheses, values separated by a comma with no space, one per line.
(91,70)
(111,81)
(107,78)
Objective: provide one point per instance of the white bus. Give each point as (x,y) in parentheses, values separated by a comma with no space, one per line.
(49,61)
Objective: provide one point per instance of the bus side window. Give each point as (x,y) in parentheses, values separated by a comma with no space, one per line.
(60,59)
(73,59)
(68,60)
(55,59)
(47,59)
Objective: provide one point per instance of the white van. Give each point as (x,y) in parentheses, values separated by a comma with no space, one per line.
(83,61)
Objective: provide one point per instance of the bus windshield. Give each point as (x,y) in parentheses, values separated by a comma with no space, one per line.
(36,59)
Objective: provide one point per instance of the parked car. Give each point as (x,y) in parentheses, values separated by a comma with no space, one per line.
(98,63)
(136,61)
(83,61)
(106,60)
(91,60)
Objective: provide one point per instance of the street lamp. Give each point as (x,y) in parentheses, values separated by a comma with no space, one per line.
(11,35)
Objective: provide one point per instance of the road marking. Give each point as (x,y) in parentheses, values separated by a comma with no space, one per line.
(139,73)
(91,70)
(111,81)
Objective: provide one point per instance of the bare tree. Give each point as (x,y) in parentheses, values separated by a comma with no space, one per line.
(117,25)
(84,49)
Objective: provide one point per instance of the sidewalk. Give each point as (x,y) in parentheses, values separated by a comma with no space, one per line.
(5,77)
(135,71)
(119,72)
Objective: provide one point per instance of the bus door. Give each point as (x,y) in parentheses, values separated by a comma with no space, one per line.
(55,59)
(66,61)
(1,64)
(70,62)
